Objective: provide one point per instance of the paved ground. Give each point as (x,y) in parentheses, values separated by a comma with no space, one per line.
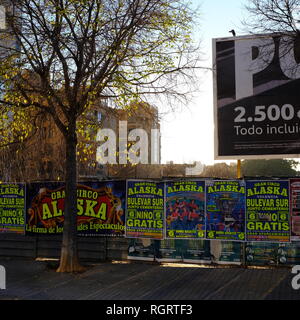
(37,280)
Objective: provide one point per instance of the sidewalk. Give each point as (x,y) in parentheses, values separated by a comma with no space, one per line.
(36,280)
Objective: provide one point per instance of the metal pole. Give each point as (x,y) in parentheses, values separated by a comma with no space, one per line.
(239,169)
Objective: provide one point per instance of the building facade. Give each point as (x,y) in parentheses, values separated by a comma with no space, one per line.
(42,156)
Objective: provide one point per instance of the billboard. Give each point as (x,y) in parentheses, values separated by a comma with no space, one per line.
(256,104)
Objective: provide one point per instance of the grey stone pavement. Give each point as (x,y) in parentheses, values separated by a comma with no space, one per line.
(37,280)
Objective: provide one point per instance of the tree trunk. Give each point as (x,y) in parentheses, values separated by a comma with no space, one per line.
(69,261)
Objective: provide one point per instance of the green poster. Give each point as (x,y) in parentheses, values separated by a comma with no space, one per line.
(230,253)
(197,251)
(171,250)
(12,208)
(144,216)
(267,210)
(261,253)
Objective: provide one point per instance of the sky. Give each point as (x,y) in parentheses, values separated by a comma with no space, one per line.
(188,135)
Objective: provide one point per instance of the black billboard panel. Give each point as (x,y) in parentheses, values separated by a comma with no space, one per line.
(256,97)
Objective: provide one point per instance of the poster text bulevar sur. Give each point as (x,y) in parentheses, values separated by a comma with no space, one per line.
(145,208)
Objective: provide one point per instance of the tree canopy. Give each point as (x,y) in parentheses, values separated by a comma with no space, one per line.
(272,167)
(220,170)
(78,51)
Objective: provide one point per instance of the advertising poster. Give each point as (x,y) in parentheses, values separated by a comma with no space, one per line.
(295,209)
(267,210)
(40,197)
(261,253)
(289,253)
(12,208)
(100,208)
(141,249)
(225,210)
(185,209)
(171,250)
(145,209)
(257,110)
(145,249)
(197,251)
(230,253)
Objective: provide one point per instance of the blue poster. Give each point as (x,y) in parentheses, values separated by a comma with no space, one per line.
(225,210)
(185,209)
